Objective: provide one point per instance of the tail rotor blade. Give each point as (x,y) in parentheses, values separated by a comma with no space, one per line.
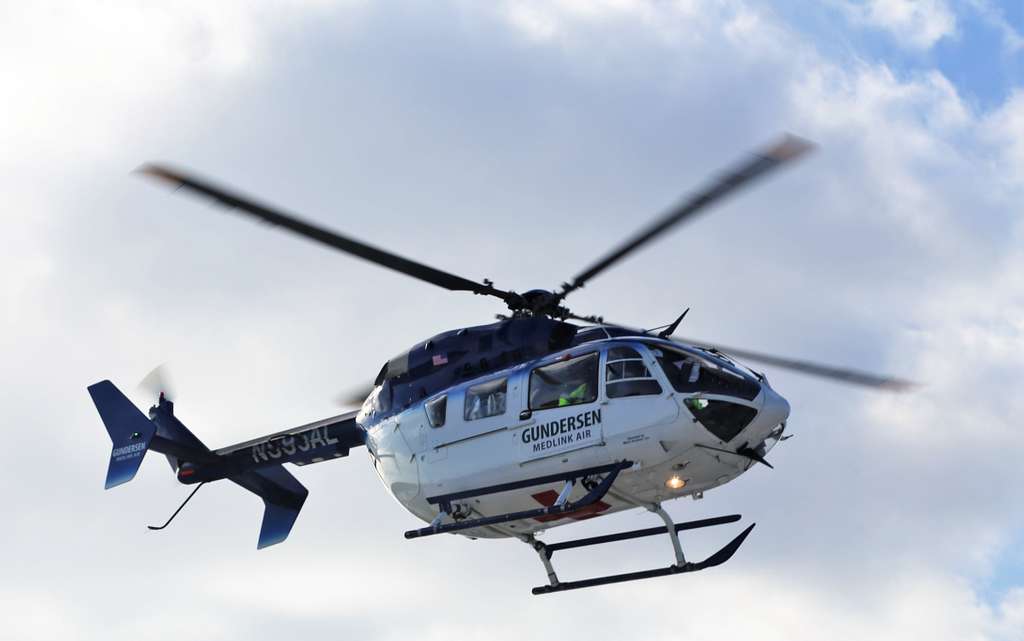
(157,383)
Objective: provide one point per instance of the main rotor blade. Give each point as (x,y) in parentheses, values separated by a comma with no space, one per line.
(840,374)
(789,148)
(353,396)
(323,235)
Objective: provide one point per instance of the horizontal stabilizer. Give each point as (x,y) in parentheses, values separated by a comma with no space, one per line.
(129,430)
(282,496)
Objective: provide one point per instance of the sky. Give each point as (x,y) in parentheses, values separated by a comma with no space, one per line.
(515,141)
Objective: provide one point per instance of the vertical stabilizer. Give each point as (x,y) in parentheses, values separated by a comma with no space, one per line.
(129,430)
(282,496)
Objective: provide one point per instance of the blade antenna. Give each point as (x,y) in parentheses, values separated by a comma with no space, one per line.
(185,502)
(671,329)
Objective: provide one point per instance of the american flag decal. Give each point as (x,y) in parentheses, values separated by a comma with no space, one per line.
(440,359)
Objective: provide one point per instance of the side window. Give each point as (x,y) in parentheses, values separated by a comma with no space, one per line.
(568,382)
(626,374)
(682,370)
(436,410)
(485,399)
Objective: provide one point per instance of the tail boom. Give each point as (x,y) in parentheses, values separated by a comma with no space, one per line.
(255,465)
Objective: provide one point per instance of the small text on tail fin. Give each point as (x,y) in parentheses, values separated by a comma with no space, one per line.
(129,430)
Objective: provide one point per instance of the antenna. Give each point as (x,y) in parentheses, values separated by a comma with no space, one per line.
(160,527)
(671,328)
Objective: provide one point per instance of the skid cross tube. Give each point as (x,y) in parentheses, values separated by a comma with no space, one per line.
(545,551)
(594,495)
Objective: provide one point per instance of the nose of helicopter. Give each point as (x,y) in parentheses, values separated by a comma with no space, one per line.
(774,411)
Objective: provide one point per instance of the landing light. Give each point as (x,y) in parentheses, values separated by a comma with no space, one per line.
(675,483)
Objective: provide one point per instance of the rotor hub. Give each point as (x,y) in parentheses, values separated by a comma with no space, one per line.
(541,302)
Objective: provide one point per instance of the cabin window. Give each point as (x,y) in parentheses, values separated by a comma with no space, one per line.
(688,373)
(567,382)
(722,418)
(436,410)
(485,399)
(627,375)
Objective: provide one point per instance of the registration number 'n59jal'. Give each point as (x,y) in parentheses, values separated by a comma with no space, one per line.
(290,445)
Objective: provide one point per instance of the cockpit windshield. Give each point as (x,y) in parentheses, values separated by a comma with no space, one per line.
(692,373)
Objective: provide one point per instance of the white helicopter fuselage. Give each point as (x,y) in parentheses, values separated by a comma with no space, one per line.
(497,429)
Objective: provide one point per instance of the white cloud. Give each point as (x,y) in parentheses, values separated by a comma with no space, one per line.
(1004,131)
(1013,41)
(81,77)
(916,24)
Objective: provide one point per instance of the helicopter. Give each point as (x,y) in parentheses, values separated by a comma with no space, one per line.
(512,428)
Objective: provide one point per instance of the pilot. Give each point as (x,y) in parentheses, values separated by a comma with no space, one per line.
(578,395)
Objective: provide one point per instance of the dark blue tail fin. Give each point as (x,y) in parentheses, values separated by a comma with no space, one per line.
(129,429)
(282,496)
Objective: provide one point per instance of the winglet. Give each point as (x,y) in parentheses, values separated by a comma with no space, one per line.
(282,496)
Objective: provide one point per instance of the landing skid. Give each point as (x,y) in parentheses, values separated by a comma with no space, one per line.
(545,552)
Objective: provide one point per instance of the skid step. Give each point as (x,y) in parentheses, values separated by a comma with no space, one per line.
(681,566)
